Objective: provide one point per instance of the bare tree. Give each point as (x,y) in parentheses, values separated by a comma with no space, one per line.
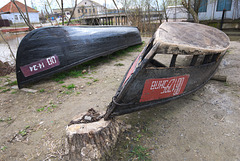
(192,7)
(165,10)
(62,12)
(159,13)
(8,46)
(26,11)
(72,12)
(23,16)
(48,15)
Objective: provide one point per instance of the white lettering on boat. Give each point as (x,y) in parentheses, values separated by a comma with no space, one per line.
(163,87)
(39,66)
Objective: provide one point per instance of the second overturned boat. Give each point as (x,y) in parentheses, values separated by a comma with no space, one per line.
(46,51)
(179,59)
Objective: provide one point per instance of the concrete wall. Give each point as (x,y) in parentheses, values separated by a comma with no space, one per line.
(34,17)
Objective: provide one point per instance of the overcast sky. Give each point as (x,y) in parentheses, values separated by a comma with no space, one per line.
(39,4)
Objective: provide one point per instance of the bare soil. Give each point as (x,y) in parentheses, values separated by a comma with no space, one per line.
(202,126)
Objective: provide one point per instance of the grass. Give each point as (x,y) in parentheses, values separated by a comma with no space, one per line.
(70,89)
(42,90)
(13,83)
(95,80)
(3,148)
(80,70)
(5,90)
(119,64)
(48,108)
(71,86)
(8,120)
(40,109)
(13,92)
(138,137)
(140,153)
(23,132)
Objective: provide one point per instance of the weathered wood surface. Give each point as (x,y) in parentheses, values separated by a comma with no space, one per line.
(190,38)
(91,141)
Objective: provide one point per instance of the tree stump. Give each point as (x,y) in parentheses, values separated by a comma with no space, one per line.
(88,140)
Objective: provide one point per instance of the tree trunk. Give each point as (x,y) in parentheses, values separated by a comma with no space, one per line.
(62,13)
(190,10)
(93,140)
(72,13)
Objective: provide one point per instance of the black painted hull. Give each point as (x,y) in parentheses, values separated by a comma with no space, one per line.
(46,51)
(150,82)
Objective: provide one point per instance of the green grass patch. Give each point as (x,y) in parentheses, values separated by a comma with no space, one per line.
(71,86)
(95,80)
(2,88)
(23,132)
(40,109)
(61,82)
(13,92)
(137,138)
(3,148)
(13,83)
(8,120)
(5,90)
(42,90)
(140,152)
(80,70)
(119,64)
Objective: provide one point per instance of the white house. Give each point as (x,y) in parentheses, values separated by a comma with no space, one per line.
(15,16)
(89,8)
(209,10)
(177,13)
(212,10)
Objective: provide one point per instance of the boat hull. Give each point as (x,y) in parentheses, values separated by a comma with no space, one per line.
(192,60)
(46,51)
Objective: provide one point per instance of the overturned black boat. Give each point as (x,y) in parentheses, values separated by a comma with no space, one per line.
(46,51)
(179,59)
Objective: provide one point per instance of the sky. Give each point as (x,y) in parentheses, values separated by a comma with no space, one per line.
(66,3)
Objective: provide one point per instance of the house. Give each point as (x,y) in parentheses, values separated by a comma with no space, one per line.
(15,17)
(176,13)
(58,12)
(212,10)
(209,10)
(88,8)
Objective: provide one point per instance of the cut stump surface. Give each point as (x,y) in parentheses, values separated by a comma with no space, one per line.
(91,141)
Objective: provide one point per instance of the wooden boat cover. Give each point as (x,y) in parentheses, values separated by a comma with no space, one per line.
(177,38)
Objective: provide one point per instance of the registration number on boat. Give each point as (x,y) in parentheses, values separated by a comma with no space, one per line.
(39,66)
(155,89)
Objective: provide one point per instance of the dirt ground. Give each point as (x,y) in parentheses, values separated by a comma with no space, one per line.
(202,126)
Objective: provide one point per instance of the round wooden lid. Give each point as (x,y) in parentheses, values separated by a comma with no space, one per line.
(190,38)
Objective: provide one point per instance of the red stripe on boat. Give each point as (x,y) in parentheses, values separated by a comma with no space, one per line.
(132,69)
(39,66)
(155,89)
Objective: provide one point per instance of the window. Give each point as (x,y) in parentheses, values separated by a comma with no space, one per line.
(203,6)
(93,10)
(85,10)
(224,4)
(90,11)
(16,17)
(78,10)
(20,17)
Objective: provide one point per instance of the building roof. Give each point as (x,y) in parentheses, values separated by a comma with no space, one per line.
(10,7)
(97,4)
(92,3)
